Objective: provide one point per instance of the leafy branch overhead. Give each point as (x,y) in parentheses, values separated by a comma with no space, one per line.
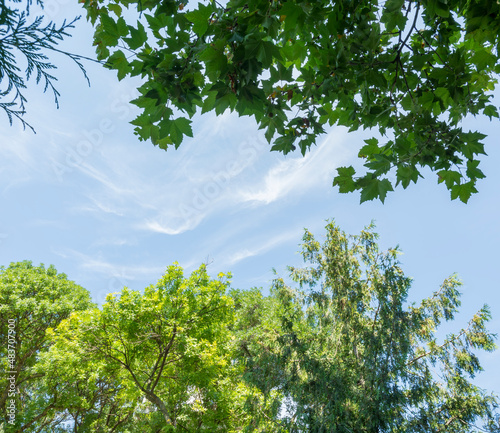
(28,41)
(412,69)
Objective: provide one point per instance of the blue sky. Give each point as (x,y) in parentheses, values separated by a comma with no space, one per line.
(85,195)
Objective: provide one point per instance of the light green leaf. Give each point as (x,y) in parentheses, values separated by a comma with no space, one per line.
(369,149)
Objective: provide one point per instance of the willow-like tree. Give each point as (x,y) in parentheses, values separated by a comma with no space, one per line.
(344,351)
(411,69)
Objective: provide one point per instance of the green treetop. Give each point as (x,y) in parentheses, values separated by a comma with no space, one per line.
(344,352)
(33,299)
(165,357)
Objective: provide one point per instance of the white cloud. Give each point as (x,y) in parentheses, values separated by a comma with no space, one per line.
(96,264)
(171,229)
(298,174)
(255,250)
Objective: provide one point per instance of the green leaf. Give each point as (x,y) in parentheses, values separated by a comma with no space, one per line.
(122,27)
(463,191)
(369,149)
(209,102)
(109,25)
(227,100)
(266,53)
(484,59)
(295,52)
(379,163)
(392,6)
(449,177)
(376,78)
(143,124)
(442,9)
(215,60)
(375,188)
(271,122)
(426,100)
(392,15)
(291,13)
(157,22)
(406,174)
(200,18)
(116,8)
(178,128)
(472,144)
(490,111)
(473,171)
(443,94)
(284,144)
(120,63)
(344,179)
(138,36)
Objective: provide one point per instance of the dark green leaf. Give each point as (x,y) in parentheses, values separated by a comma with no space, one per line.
(200,18)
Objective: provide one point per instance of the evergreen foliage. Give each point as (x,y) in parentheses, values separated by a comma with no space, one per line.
(29,41)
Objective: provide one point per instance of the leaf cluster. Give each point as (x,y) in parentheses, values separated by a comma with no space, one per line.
(412,69)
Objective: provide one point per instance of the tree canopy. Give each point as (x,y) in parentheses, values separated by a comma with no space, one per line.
(411,69)
(33,299)
(333,347)
(344,352)
(158,361)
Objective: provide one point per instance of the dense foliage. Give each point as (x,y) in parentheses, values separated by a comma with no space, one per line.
(343,351)
(26,42)
(412,69)
(32,300)
(151,362)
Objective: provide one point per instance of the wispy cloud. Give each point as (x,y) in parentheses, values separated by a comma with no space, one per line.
(255,248)
(23,159)
(211,185)
(99,206)
(99,265)
(175,227)
(299,174)
(113,241)
(168,193)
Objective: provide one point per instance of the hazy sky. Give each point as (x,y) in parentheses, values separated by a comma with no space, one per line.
(108,210)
